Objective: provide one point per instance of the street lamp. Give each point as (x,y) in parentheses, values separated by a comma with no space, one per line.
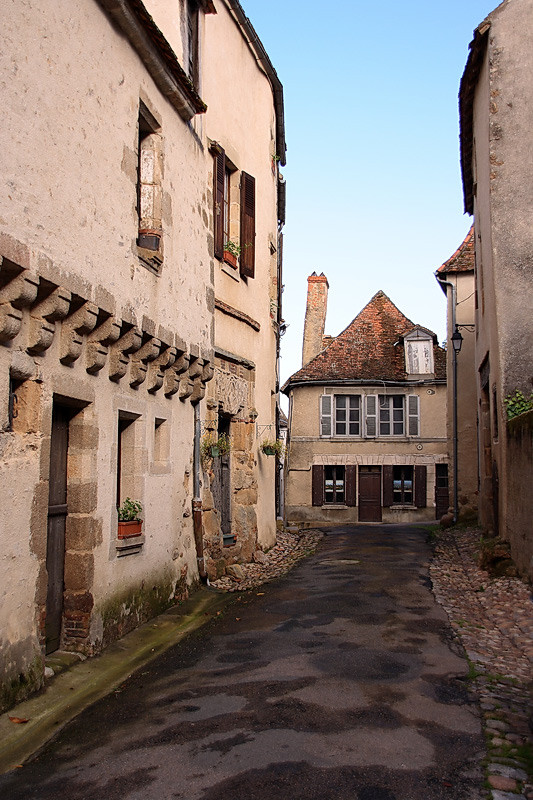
(457,340)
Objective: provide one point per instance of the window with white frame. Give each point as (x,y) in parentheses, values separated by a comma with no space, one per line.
(391,415)
(340,415)
(369,415)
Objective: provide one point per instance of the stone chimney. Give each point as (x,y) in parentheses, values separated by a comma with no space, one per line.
(315,316)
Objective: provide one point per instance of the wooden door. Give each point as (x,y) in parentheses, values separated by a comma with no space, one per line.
(369,494)
(442,496)
(57,515)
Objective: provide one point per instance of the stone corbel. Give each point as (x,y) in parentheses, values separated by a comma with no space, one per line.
(158,368)
(172,380)
(120,353)
(187,383)
(73,329)
(201,380)
(98,344)
(19,293)
(139,362)
(43,318)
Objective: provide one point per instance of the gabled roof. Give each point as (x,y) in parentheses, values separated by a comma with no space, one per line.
(367,350)
(463,258)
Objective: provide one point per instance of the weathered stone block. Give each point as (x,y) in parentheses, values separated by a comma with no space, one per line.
(246,497)
(82,498)
(83,532)
(79,571)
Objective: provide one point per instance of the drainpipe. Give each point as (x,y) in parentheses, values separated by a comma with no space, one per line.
(197,500)
(454,409)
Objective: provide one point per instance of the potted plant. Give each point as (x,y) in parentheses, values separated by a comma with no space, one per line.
(272,447)
(213,446)
(232,251)
(129,523)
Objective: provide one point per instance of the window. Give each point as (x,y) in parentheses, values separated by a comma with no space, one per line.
(334,489)
(418,346)
(391,415)
(149,192)
(402,486)
(384,415)
(347,415)
(343,413)
(333,484)
(190,54)
(238,227)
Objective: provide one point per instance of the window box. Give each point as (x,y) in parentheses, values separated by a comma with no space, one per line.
(130,528)
(230,259)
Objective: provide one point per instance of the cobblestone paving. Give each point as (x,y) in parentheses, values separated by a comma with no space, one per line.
(288,550)
(493,619)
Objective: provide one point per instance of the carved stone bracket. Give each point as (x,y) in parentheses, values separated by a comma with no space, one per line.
(188,379)
(119,359)
(73,329)
(158,368)
(139,362)
(206,374)
(98,344)
(43,317)
(172,380)
(231,391)
(19,293)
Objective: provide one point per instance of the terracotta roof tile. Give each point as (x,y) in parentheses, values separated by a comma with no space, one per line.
(368,349)
(463,258)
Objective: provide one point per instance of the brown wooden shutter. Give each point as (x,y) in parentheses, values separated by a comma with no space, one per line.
(350,484)
(219,173)
(247,242)
(388,486)
(420,486)
(318,484)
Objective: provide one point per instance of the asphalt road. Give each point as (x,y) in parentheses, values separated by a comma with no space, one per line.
(339,681)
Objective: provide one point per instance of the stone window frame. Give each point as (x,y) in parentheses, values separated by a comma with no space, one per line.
(149,190)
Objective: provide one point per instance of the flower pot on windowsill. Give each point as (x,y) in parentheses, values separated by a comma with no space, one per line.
(132,527)
(230,259)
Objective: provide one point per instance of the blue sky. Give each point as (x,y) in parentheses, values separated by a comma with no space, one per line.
(374,196)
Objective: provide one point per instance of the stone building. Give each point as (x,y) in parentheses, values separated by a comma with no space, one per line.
(110,300)
(456,278)
(367,419)
(497,172)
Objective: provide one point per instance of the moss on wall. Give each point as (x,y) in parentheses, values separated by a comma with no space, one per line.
(15,689)
(126,610)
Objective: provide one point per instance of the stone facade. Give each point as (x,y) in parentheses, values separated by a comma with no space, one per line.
(456,277)
(108,313)
(367,423)
(497,172)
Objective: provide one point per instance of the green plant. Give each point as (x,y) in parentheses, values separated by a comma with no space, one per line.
(272,447)
(212,445)
(233,248)
(517,404)
(129,510)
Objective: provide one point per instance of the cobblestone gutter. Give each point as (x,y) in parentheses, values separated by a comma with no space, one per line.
(493,619)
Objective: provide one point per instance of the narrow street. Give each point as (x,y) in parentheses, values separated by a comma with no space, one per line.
(339,680)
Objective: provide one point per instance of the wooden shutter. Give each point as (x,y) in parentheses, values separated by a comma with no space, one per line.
(420,486)
(247,242)
(219,174)
(318,484)
(371,407)
(349,477)
(325,414)
(413,415)
(388,485)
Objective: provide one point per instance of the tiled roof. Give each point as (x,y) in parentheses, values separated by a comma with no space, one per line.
(368,349)
(463,258)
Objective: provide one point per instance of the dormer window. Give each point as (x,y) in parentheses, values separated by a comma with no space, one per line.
(418,347)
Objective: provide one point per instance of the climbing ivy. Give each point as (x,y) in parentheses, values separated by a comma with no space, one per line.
(517,404)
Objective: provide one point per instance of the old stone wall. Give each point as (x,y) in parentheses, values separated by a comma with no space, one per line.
(519,517)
